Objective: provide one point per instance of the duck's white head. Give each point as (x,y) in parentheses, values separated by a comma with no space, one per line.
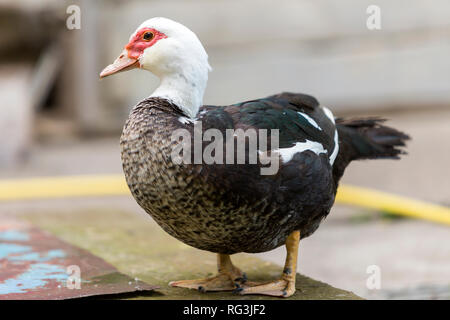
(173,53)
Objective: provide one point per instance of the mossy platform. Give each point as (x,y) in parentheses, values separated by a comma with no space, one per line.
(136,246)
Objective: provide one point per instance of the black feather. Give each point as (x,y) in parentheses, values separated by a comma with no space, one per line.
(366,138)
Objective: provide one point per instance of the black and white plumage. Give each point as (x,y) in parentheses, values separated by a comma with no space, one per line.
(228,208)
(204,206)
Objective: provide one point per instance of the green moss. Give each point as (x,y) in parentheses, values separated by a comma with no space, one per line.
(110,278)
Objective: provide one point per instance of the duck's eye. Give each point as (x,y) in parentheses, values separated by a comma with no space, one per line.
(148,36)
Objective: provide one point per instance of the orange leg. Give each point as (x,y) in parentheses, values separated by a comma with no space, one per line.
(285,286)
(231,278)
(227,279)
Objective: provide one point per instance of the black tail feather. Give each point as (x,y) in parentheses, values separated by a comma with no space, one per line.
(369,139)
(366,138)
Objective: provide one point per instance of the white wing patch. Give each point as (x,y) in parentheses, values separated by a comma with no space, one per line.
(310,120)
(286,154)
(328,113)
(336,147)
(330,116)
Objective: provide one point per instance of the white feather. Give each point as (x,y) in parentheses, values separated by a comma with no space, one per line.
(286,154)
(336,148)
(328,113)
(334,154)
(186,120)
(310,120)
(181,63)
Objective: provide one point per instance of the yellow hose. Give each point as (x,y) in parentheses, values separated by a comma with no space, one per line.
(62,187)
(395,204)
(113,185)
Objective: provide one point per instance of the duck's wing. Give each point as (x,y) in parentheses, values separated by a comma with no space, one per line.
(301,122)
(307,147)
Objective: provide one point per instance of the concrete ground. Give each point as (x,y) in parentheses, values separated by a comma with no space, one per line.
(413,256)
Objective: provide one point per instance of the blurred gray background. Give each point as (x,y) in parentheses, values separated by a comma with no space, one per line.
(58,118)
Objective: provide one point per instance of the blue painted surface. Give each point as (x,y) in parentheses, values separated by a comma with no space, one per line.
(36,276)
(13,235)
(8,249)
(39,272)
(36,256)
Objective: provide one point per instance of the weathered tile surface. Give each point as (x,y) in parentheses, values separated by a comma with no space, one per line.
(136,246)
(37,265)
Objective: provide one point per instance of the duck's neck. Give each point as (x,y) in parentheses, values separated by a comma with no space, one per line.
(185,90)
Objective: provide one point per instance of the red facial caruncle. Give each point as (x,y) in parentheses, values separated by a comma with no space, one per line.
(129,59)
(143,39)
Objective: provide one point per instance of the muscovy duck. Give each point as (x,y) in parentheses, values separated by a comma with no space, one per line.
(228,207)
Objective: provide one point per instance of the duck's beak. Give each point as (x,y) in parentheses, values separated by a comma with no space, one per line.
(122,63)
